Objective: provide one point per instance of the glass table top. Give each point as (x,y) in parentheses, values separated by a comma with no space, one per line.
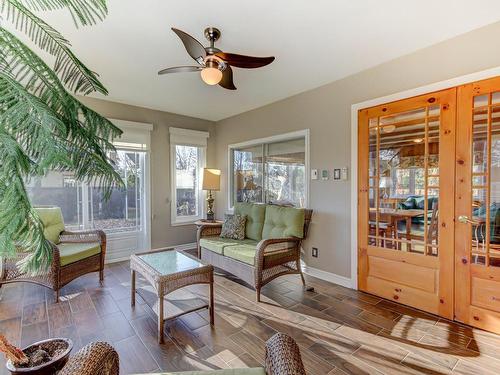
(170,261)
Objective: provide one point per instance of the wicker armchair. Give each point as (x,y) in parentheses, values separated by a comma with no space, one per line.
(73,254)
(99,358)
(273,257)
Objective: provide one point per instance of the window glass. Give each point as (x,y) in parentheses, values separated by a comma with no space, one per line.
(122,212)
(285,172)
(248,182)
(61,190)
(270,173)
(187,181)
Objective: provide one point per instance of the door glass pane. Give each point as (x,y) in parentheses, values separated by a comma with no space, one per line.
(61,190)
(122,211)
(285,169)
(485,249)
(247,174)
(404,181)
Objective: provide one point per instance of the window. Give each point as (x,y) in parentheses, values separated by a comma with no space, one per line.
(122,212)
(124,216)
(408,181)
(271,170)
(188,159)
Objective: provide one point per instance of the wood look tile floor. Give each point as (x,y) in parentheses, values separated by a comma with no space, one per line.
(339,331)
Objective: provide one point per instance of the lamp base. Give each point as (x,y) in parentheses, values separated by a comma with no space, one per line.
(210,204)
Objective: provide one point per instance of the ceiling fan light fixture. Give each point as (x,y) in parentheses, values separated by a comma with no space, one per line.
(211,76)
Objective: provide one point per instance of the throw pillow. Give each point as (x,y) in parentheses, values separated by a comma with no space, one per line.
(234,227)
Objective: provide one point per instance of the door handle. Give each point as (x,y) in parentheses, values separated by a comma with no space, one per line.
(464,219)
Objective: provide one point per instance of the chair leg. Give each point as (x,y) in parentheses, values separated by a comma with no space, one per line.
(101,276)
(257,290)
(57,296)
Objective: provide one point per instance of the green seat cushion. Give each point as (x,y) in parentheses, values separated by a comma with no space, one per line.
(217,244)
(241,371)
(255,214)
(244,252)
(283,222)
(53,223)
(73,252)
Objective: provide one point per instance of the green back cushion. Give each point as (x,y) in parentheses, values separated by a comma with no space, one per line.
(53,223)
(255,214)
(283,222)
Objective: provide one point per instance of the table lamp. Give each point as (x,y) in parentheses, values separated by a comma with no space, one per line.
(211,181)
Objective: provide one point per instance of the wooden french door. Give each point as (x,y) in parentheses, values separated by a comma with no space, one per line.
(406,202)
(477,235)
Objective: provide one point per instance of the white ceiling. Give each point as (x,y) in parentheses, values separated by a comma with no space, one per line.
(315,42)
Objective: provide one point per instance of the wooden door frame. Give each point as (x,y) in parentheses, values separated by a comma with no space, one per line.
(355,108)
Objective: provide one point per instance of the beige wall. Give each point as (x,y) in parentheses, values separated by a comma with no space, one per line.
(326,111)
(162,233)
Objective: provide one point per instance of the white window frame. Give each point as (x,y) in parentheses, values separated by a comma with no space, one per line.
(193,138)
(305,133)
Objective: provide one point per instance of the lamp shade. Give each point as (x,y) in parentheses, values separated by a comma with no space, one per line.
(211,179)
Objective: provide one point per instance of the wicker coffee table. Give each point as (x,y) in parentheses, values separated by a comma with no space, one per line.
(168,270)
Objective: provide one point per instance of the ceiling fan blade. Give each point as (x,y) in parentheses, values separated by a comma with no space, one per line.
(242,61)
(193,47)
(180,69)
(227,79)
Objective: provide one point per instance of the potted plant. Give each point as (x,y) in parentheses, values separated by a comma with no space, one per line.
(41,358)
(44,127)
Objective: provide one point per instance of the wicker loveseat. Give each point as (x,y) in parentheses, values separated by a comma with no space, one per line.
(74,254)
(282,357)
(271,248)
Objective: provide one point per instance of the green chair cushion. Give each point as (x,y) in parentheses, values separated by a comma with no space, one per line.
(73,252)
(244,252)
(240,371)
(217,244)
(255,214)
(53,223)
(283,222)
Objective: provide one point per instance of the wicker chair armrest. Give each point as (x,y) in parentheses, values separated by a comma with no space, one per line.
(95,358)
(272,245)
(283,356)
(83,236)
(209,230)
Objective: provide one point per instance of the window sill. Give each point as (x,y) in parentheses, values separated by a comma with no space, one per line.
(182,223)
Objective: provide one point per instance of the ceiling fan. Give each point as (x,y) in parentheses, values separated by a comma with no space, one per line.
(213,64)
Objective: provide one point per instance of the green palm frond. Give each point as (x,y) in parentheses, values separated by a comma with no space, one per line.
(20,226)
(84,12)
(43,127)
(73,73)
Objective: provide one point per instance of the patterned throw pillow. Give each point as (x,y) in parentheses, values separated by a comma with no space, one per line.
(234,227)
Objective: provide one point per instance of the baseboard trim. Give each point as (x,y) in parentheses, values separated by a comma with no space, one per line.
(329,276)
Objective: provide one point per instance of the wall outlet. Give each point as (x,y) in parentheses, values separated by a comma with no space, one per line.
(315,252)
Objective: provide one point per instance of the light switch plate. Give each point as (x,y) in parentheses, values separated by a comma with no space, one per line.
(314,174)
(343,174)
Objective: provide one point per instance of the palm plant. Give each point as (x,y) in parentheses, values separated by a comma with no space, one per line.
(43,126)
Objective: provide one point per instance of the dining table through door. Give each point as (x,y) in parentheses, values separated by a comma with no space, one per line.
(393,216)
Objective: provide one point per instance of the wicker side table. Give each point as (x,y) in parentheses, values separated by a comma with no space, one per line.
(168,270)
